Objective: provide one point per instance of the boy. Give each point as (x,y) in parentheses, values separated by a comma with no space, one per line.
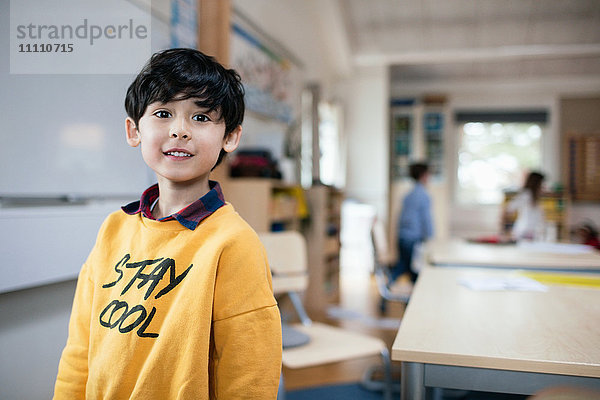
(175,299)
(414,224)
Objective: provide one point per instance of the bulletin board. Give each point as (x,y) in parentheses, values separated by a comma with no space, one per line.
(271,75)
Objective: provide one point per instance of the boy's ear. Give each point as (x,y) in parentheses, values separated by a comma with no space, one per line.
(231,142)
(133,135)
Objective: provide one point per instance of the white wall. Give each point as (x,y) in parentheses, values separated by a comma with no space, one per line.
(296,26)
(365,98)
(33,333)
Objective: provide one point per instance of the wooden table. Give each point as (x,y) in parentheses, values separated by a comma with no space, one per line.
(546,256)
(496,341)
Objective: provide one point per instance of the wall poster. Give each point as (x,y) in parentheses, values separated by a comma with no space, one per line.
(434,141)
(271,77)
(401,145)
(184,23)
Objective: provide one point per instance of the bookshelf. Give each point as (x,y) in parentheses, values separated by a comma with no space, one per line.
(323,240)
(270,205)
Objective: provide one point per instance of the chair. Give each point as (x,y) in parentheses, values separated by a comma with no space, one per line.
(286,252)
(383,262)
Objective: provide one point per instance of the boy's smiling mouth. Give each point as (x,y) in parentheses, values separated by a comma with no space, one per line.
(178,153)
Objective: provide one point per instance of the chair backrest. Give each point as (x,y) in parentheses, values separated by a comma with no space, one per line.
(381,249)
(383,260)
(286,252)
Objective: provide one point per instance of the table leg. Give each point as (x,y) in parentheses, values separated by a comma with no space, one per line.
(413,386)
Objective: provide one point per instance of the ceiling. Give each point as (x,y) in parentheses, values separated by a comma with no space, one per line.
(425,40)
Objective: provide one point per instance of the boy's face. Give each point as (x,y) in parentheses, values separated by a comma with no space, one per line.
(181,141)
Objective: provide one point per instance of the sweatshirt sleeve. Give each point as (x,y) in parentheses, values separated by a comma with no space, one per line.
(73,366)
(245,358)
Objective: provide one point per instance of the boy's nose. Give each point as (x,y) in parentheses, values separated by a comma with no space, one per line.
(180,129)
(179,135)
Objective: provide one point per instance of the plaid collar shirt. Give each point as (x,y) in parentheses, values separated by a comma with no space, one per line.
(190,216)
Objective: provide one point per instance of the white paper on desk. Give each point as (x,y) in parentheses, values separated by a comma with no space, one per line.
(556,248)
(487,283)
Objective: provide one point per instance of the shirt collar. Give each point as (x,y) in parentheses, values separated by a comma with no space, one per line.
(190,216)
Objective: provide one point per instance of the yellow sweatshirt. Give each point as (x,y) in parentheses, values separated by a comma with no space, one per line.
(164,312)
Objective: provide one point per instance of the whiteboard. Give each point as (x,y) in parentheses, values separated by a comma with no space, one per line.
(45,245)
(62,136)
(65,134)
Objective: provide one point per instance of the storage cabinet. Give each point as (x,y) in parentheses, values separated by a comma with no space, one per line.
(266,204)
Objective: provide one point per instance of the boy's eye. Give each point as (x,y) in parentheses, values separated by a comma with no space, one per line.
(162,114)
(201,118)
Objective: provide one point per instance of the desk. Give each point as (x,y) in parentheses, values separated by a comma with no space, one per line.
(525,256)
(496,341)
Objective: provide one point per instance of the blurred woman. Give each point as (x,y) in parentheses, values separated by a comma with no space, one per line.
(530,215)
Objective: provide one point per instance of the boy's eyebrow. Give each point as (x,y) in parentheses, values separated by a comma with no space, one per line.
(201,104)
(158,103)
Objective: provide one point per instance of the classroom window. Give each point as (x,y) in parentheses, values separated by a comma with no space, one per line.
(321,161)
(494,156)
(306,161)
(330,163)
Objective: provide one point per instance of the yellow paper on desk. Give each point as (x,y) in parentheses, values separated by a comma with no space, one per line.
(564,279)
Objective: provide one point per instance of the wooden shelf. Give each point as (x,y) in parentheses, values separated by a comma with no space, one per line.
(332,247)
(266,204)
(323,238)
(583,166)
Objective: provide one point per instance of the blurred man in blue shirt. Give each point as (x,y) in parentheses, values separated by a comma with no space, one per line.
(414,225)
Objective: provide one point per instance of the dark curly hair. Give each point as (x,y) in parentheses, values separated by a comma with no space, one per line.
(180,74)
